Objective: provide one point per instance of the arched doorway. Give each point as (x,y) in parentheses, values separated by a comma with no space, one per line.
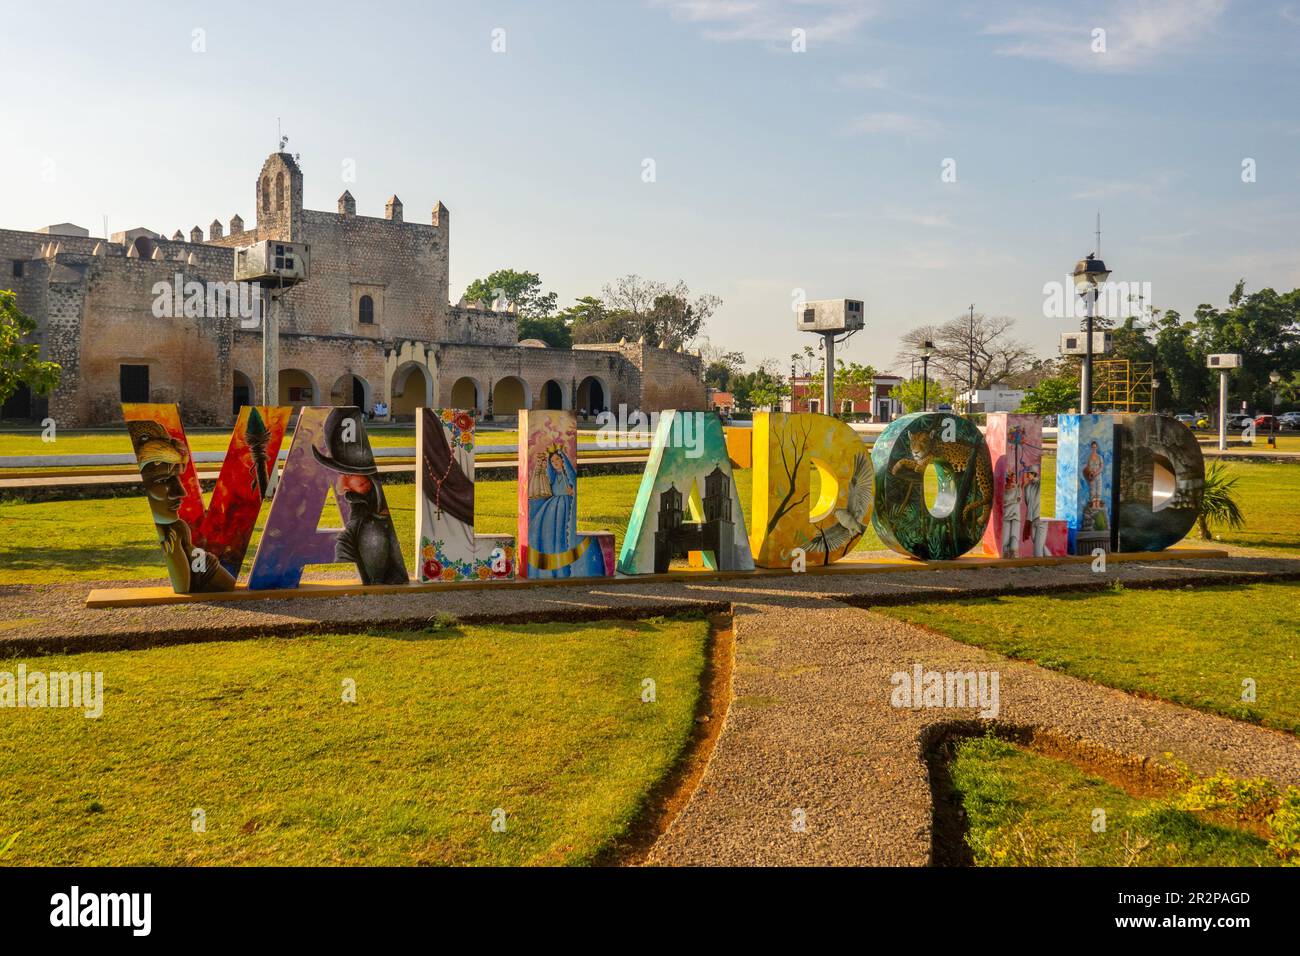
(592,396)
(508,396)
(464,394)
(351,390)
(412,389)
(552,396)
(19,404)
(241,393)
(297,388)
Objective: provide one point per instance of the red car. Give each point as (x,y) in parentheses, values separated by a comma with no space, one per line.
(1267,423)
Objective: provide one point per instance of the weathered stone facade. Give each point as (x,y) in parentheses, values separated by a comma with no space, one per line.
(372,324)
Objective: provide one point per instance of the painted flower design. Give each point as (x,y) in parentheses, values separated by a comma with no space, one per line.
(432,570)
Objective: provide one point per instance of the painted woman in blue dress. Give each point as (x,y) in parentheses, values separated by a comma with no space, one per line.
(552,521)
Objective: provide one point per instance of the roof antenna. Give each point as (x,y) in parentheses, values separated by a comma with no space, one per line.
(1098,234)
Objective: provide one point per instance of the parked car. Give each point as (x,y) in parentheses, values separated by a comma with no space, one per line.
(1290,419)
(1265,423)
(1186,419)
(1238,420)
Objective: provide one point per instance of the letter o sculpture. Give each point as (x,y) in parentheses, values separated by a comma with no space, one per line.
(900,458)
(1161,478)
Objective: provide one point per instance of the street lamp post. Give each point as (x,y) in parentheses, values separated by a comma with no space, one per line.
(1273,378)
(926,349)
(1090,274)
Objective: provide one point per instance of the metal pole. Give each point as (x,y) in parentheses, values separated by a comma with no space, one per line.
(828,379)
(970,370)
(1085,383)
(925,383)
(270,350)
(1223,410)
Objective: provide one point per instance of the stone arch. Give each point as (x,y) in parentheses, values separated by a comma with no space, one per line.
(411,388)
(298,388)
(266,195)
(552,396)
(509,395)
(467,394)
(243,392)
(279,192)
(593,395)
(350,389)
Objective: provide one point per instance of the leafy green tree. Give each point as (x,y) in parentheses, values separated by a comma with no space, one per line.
(1052,396)
(722,369)
(590,321)
(851,380)
(20,361)
(524,289)
(912,392)
(550,330)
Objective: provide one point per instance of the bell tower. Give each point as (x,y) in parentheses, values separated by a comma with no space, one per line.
(279,198)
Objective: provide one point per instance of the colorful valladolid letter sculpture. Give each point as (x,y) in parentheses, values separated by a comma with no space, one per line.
(329,447)
(1085,458)
(786,447)
(964,472)
(550,545)
(204,547)
(1017,528)
(687,502)
(1161,477)
(447,549)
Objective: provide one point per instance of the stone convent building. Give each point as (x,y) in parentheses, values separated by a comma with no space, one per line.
(372,324)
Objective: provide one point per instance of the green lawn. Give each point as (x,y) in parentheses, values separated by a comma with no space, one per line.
(545,722)
(1024,809)
(1193,647)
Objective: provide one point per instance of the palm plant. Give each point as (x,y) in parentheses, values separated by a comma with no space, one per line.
(1218,501)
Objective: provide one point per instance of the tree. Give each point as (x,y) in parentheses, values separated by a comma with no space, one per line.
(998,356)
(912,391)
(524,289)
(1052,396)
(20,362)
(552,330)
(850,379)
(589,321)
(720,366)
(667,317)
(762,388)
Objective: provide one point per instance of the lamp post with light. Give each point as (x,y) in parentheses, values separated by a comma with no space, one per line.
(1090,274)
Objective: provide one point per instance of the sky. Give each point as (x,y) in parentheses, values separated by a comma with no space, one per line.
(796,147)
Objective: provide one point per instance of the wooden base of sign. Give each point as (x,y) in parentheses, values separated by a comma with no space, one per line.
(151,596)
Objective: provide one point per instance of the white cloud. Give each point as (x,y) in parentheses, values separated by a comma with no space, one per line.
(1136,33)
(773,20)
(904,123)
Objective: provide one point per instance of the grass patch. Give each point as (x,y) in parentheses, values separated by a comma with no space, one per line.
(1024,809)
(543,721)
(1193,647)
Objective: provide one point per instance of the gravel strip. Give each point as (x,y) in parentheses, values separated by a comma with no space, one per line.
(811,731)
